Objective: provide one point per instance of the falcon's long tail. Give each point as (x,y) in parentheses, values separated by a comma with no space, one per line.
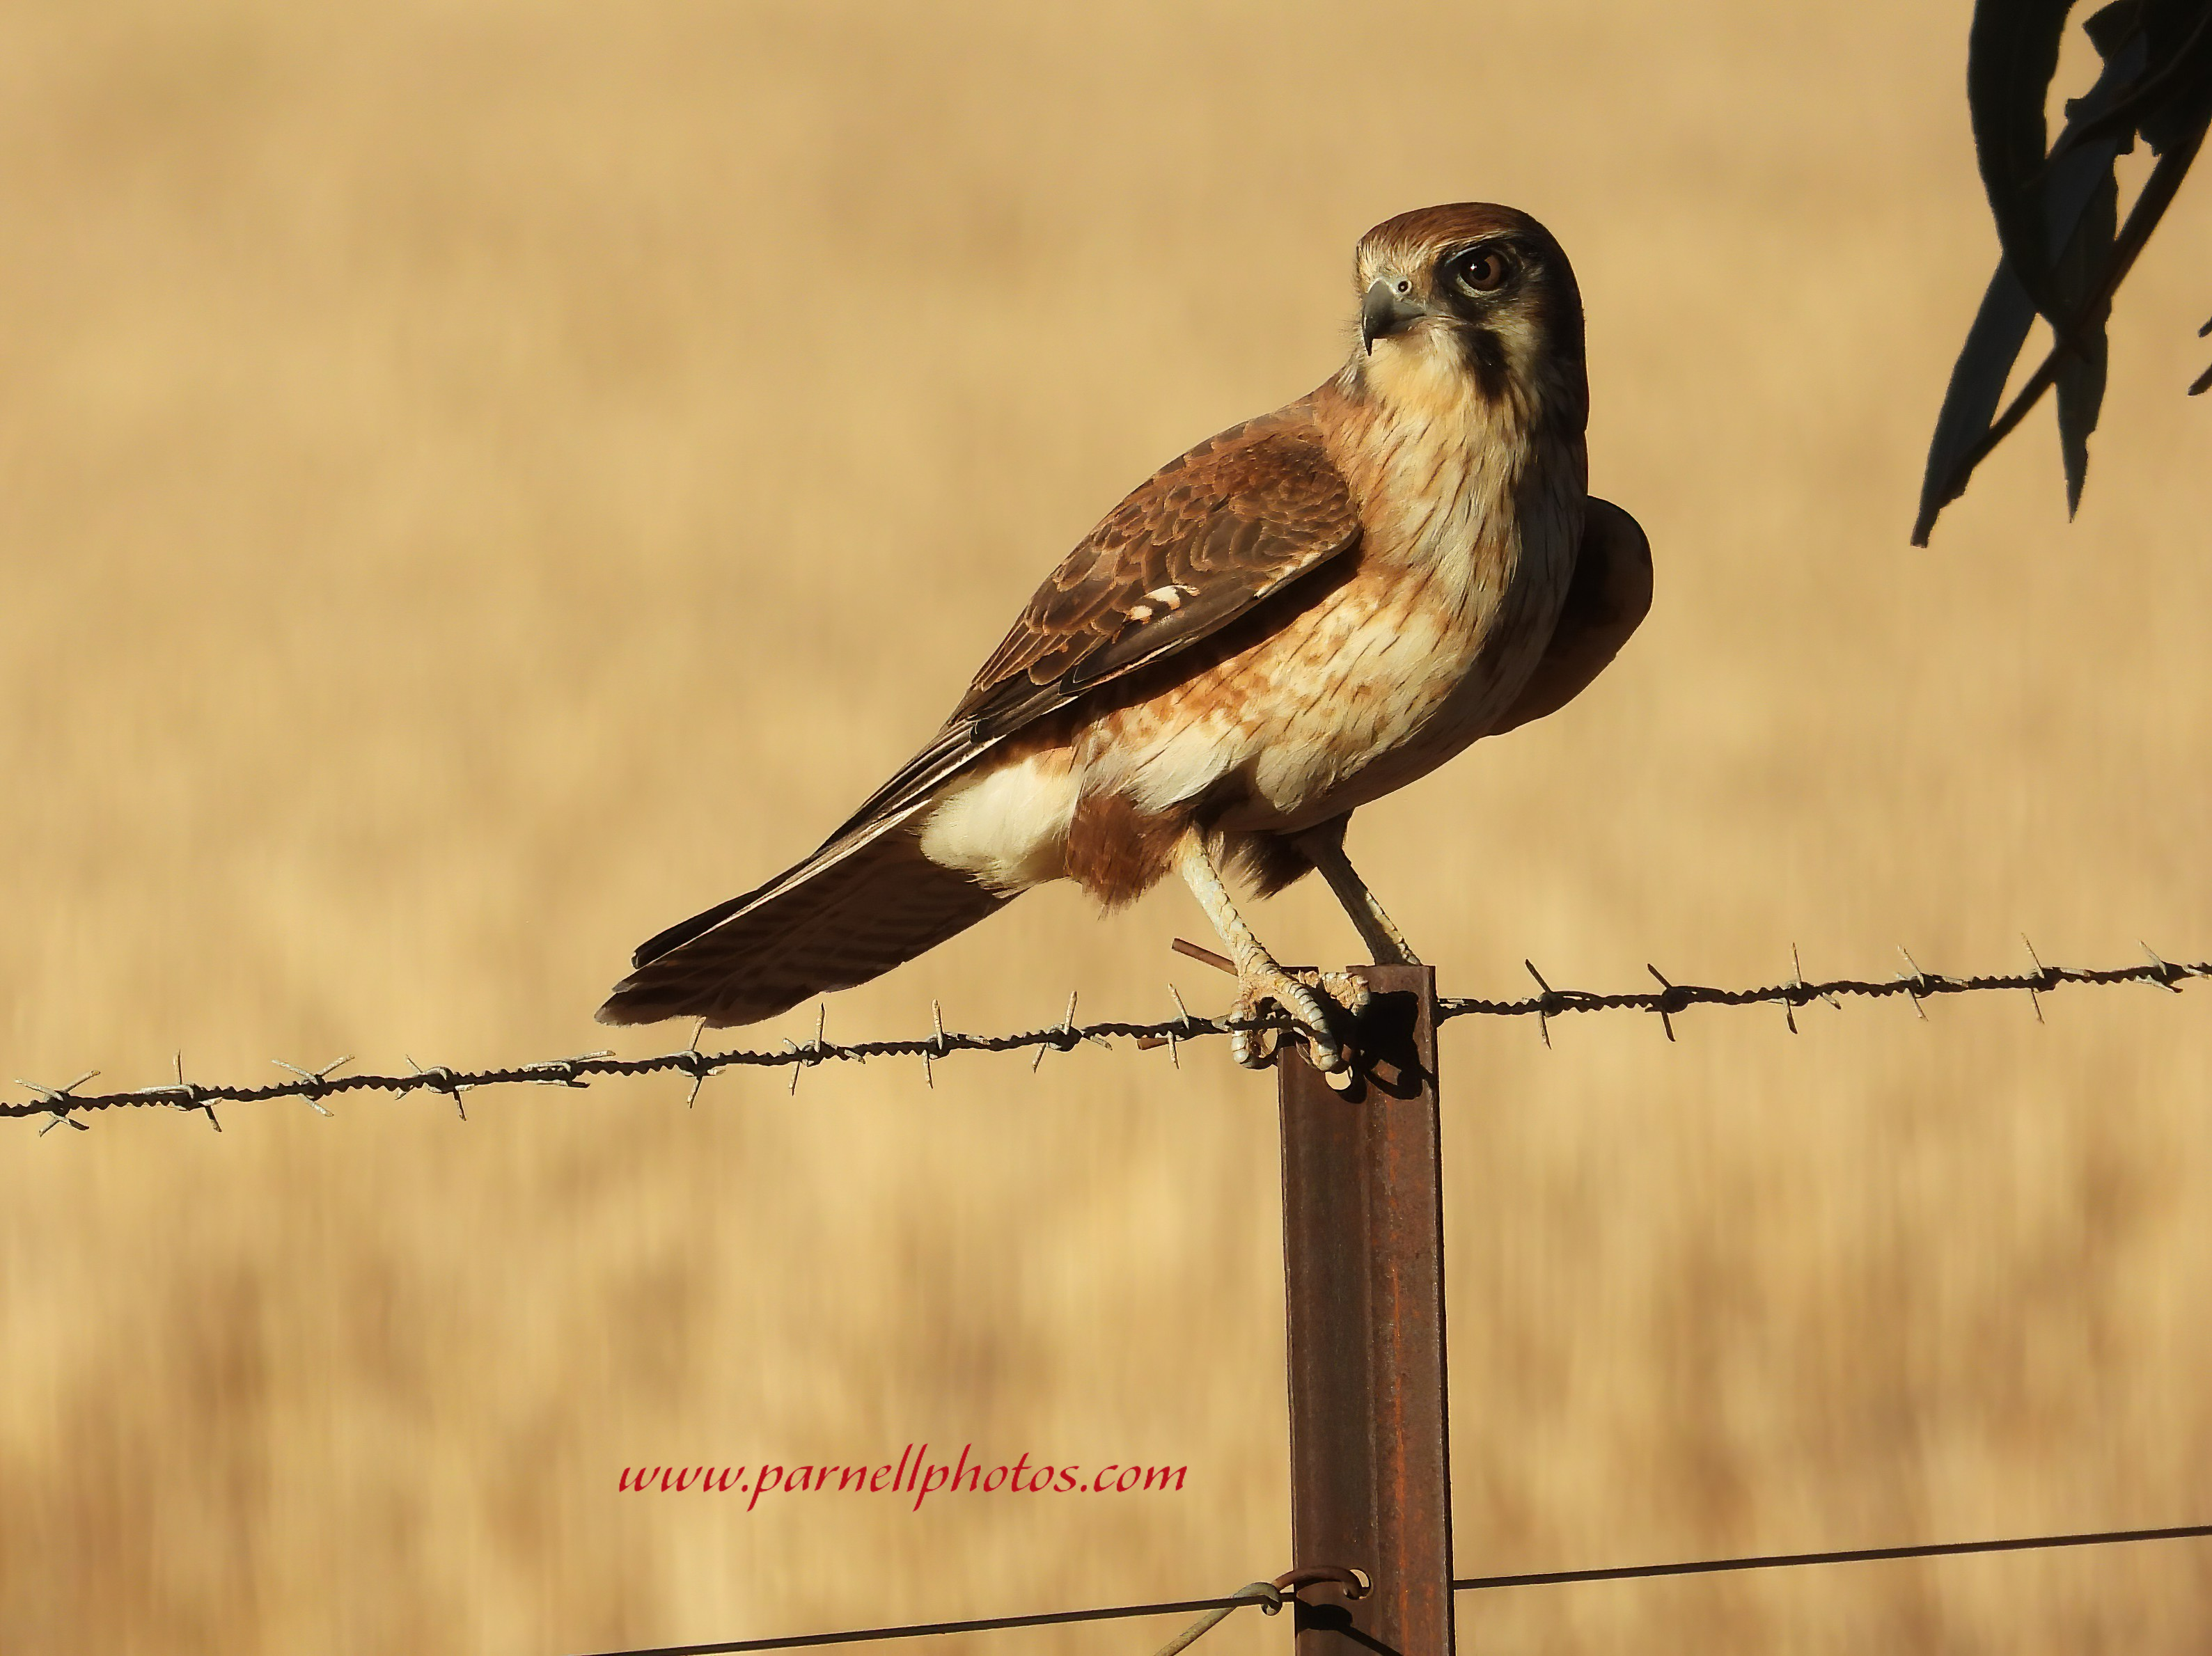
(847,914)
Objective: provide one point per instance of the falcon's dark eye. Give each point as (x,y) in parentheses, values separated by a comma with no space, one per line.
(1482,270)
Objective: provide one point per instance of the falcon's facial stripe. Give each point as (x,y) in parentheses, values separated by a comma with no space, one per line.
(1484,353)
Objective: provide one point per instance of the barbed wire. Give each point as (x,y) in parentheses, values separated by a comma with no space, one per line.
(64,1104)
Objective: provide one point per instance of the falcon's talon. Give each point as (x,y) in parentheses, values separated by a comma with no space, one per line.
(1252,1049)
(1347,989)
(1263,981)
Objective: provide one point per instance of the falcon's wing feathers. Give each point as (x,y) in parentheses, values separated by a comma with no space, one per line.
(1196,545)
(1204,539)
(1607,600)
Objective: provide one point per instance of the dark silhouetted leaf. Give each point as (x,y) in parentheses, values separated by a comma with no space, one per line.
(2150,205)
(2071,185)
(2176,97)
(2011,52)
(2055,214)
(1978,381)
(2081,380)
(2110,31)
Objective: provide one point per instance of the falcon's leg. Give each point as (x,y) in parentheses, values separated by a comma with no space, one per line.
(1258,976)
(1324,848)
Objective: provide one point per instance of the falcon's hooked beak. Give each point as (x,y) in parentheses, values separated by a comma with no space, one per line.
(1389,308)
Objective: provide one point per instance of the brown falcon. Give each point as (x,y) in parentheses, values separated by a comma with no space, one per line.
(1299,615)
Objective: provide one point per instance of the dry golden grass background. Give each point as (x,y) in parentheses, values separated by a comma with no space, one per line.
(479,482)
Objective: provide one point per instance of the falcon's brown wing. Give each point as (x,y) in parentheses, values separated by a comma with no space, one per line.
(1201,543)
(1606,602)
(1196,545)
(1205,539)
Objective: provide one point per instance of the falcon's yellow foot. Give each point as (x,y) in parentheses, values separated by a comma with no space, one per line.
(1259,978)
(1300,994)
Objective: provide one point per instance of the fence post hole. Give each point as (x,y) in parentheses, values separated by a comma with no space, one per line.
(1363,1254)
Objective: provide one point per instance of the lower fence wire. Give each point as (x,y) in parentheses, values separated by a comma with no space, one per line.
(1270,1595)
(66,1104)
(1860,1555)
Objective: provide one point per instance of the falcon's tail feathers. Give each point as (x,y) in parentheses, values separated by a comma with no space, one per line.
(835,920)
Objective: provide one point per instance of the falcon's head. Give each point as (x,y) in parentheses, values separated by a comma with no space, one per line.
(1472,298)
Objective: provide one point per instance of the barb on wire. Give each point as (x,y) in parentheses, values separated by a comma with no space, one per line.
(691,1060)
(438,1079)
(55,1101)
(1666,999)
(313,1084)
(1547,1003)
(188,1095)
(1916,984)
(2034,998)
(1667,1002)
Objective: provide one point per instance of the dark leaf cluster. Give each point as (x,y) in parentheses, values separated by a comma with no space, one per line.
(2065,249)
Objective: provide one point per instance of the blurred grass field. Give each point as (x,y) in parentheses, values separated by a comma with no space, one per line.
(479,482)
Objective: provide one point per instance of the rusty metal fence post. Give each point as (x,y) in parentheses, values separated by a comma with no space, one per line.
(1363,1253)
